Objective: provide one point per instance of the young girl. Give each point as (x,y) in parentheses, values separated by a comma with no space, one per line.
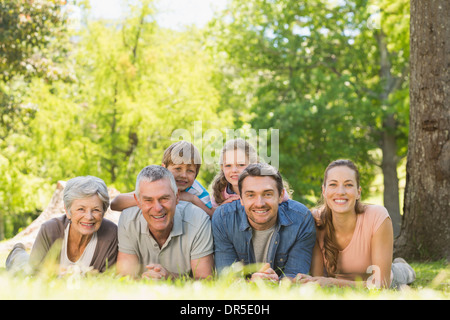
(236,155)
(353,239)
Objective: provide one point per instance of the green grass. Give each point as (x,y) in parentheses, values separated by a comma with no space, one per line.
(435,275)
(432,283)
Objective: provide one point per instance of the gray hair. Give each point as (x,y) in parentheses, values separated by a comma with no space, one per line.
(85,187)
(155,173)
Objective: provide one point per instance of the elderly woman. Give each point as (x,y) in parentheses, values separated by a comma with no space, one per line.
(88,240)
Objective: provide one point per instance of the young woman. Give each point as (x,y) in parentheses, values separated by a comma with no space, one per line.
(354,240)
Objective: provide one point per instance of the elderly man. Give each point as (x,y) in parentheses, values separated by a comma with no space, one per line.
(163,238)
(261,228)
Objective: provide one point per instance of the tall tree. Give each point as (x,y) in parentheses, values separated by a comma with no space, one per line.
(425,232)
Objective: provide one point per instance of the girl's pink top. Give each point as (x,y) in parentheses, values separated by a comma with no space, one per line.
(356,258)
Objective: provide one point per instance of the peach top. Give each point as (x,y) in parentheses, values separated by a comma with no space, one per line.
(357,256)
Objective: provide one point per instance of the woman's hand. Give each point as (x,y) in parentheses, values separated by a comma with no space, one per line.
(322,281)
(232,198)
(301,278)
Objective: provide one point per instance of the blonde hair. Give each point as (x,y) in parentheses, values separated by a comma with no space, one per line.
(220,182)
(182,152)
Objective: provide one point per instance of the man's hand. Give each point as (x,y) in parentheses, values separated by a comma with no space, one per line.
(316,213)
(155,272)
(265,273)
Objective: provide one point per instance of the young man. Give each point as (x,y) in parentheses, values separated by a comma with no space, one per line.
(160,238)
(183,160)
(261,228)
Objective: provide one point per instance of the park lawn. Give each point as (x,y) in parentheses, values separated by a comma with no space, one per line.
(432,283)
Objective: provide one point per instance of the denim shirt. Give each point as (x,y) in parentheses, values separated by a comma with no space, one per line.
(291,245)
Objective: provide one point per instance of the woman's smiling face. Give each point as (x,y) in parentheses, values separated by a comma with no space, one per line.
(341,189)
(86,215)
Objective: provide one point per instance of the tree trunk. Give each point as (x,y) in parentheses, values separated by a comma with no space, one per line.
(391,197)
(389,164)
(425,232)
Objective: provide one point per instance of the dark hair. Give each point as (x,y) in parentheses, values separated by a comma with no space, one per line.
(331,249)
(261,170)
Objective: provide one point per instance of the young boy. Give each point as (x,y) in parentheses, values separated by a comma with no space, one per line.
(183,160)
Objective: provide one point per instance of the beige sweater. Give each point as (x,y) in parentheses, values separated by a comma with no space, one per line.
(105,254)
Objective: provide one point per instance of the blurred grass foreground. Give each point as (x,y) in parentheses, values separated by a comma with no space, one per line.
(432,283)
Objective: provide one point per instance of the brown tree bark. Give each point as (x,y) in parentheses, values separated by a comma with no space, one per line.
(425,232)
(391,196)
(388,139)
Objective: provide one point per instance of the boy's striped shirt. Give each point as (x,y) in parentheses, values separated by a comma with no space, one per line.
(198,190)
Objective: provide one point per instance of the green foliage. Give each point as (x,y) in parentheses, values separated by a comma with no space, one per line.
(32,44)
(133,85)
(137,84)
(312,70)
(27,28)
(105,99)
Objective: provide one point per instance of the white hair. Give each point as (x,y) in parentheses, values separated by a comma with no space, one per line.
(155,173)
(85,187)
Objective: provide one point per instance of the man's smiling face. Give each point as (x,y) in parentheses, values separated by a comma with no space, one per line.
(157,202)
(260,198)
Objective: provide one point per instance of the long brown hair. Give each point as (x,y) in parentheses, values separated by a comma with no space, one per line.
(220,182)
(330,246)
